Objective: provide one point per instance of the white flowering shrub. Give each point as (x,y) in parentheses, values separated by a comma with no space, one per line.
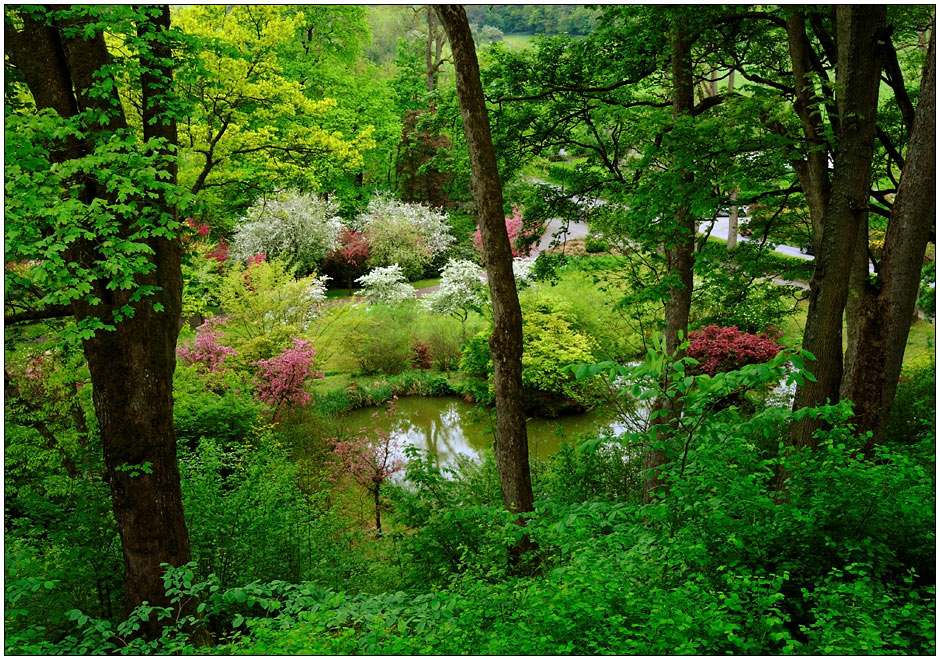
(522,270)
(462,290)
(298,227)
(409,235)
(386,284)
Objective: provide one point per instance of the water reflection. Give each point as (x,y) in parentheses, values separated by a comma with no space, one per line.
(449,427)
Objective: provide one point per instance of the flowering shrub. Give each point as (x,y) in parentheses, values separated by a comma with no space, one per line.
(280,381)
(206,349)
(220,252)
(522,270)
(350,259)
(300,227)
(409,235)
(515,232)
(462,290)
(728,349)
(386,284)
(421,356)
(369,458)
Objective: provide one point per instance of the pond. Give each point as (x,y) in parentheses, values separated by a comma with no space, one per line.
(448,426)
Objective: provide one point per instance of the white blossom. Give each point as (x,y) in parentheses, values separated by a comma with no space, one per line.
(409,235)
(386,284)
(522,270)
(301,227)
(461,289)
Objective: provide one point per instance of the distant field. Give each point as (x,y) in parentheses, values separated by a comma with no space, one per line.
(517,40)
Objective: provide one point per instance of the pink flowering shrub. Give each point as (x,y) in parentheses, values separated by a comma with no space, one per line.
(513,228)
(206,349)
(280,381)
(369,458)
(727,349)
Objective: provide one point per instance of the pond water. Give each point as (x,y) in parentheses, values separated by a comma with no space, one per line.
(448,426)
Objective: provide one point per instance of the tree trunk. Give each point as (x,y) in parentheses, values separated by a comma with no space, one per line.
(888,303)
(378,510)
(733,213)
(859,30)
(132,366)
(512,451)
(680,253)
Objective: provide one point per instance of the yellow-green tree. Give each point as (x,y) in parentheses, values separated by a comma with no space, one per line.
(250,128)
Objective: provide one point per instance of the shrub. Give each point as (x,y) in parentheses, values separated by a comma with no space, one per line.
(444,341)
(206,350)
(280,382)
(914,411)
(402,234)
(264,306)
(726,349)
(384,342)
(301,228)
(596,244)
(387,285)
(421,355)
(350,259)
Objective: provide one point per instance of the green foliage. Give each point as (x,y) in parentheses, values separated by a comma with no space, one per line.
(227,414)
(250,520)
(383,343)
(264,305)
(596,244)
(913,416)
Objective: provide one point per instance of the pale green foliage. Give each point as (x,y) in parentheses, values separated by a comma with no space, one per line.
(462,290)
(409,235)
(264,305)
(299,227)
(386,284)
(550,345)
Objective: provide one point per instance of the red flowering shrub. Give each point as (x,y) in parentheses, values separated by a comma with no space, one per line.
(280,381)
(421,356)
(727,349)
(350,259)
(219,252)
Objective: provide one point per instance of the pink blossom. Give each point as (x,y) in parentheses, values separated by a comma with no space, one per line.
(206,349)
(259,258)
(513,229)
(280,381)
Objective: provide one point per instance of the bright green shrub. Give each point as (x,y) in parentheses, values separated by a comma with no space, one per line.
(594,244)
(383,343)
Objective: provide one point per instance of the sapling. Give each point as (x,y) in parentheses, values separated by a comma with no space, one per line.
(369,457)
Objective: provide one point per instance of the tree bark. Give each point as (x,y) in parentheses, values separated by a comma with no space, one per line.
(887,304)
(860,35)
(132,366)
(680,254)
(512,450)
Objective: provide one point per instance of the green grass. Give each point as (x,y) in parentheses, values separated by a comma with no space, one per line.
(517,41)
(423,284)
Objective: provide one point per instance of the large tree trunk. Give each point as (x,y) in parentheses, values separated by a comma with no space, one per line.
(132,366)
(859,29)
(888,303)
(680,256)
(512,450)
